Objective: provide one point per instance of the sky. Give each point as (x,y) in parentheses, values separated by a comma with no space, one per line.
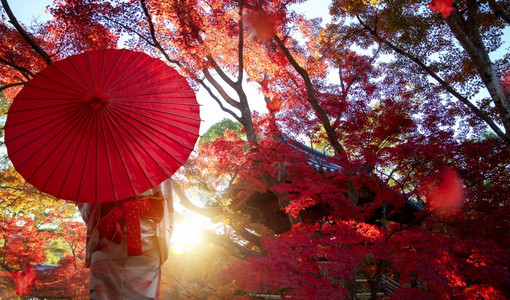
(28,10)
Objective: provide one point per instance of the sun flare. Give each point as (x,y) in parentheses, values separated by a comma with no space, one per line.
(187,235)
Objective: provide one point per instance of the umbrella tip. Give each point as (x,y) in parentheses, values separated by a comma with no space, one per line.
(97,99)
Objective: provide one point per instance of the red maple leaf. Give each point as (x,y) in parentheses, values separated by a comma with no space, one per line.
(24,281)
(447,192)
(442,6)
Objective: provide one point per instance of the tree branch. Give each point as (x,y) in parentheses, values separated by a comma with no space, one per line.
(471,41)
(220,89)
(3,87)
(24,34)
(208,212)
(240,47)
(153,34)
(147,40)
(234,248)
(312,99)
(24,71)
(221,73)
(480,114)
(182,285)
(218,100)
(498,11)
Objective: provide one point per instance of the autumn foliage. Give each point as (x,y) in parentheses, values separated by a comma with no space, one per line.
(384,149)
(42,248)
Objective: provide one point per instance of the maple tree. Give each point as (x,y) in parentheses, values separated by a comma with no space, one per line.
(409,99)
(30,223)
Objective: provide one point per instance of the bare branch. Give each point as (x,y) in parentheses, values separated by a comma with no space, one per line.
(234,248)
(208,212)
(218,100)
(125,27)
(24,34)
(470,38)
(221,73)
(220,89)
(153,34)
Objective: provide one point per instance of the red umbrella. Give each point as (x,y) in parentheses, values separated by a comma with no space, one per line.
(102,126)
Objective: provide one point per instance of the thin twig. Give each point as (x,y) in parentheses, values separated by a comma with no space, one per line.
(24,34)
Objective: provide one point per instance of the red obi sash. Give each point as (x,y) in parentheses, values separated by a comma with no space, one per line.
(114,216)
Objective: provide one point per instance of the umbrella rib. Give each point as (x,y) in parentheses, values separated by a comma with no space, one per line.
(159,93)
(41,147)
(97,171)
(157,102)
(129,148)
(139,144)
(65,151)
(138,71)
(113,69)
(67,105)
(97,157)
(71,58)
(109,118)
(157,120)
(94,116)
(91,71)
(149,78)
(158,111)
(115,196)
(61,84)
(56,146)
(47,98)
(72,162)
(102,69)
(143,133)
(41,125)
(69,76)
(50,90)
(126,68)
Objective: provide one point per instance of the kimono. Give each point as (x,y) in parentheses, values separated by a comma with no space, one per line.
(127,242)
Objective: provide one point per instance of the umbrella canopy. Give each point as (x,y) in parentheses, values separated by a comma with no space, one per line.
(102,126)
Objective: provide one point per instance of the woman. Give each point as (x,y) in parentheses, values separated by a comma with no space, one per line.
(127,242)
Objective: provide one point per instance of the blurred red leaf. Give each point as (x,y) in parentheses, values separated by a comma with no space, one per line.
(442,6)
(446,192)
(274,105)
(24,281)
(263,25)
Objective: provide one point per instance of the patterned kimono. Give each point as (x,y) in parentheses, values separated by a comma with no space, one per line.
(127,242)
